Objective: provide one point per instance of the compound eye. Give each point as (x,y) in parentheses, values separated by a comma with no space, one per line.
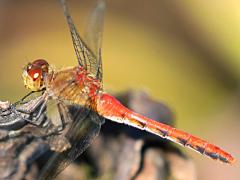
(42,64)
(35,74)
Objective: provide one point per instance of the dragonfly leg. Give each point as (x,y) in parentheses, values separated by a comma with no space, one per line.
(64,116)
(22,100)
(33,106)
(34,118)
(40,119)
(13,117)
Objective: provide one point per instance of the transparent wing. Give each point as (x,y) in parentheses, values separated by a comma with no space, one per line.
(88,58)
(84,128)
(94,31)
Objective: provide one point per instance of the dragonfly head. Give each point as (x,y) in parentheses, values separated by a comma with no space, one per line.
(34,74)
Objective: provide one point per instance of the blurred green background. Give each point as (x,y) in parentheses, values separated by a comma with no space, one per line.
(183,53)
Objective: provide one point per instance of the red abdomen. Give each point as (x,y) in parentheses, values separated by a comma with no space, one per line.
(110,108)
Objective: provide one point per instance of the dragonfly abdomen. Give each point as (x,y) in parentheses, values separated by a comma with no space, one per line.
(112,109)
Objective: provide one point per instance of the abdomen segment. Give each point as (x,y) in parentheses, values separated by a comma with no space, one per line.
(110,108)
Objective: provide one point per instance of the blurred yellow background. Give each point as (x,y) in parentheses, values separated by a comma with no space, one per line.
(186,54)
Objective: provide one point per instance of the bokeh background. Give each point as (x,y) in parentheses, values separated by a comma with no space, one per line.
(183,53)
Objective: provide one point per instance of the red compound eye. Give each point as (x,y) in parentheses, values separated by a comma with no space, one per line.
(40,63)
(37,68)
(35,73)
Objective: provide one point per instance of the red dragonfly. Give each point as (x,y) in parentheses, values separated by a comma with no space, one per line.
(79,90)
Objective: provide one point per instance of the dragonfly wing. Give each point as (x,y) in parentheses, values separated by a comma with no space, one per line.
(87,57)
(84,128)
(94,31)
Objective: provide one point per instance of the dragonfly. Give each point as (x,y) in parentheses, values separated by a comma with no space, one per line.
(82,104)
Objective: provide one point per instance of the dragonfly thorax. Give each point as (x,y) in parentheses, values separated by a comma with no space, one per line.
(34,74)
